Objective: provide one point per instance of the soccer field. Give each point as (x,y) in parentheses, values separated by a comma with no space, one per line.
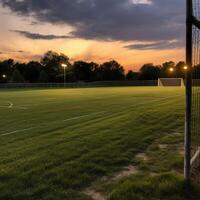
(56,143)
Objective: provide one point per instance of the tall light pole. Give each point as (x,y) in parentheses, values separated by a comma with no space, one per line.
(64,67)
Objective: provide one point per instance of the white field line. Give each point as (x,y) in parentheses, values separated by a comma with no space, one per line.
(3,106)
(82,116)
(10,104)
(45,103)
(17,131)
(20,107)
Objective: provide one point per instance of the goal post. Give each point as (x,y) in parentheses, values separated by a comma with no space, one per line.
(192,118)
(171,82)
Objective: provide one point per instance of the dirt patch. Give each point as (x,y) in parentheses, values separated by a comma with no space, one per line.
(142,156)
(95,195)
(127,171)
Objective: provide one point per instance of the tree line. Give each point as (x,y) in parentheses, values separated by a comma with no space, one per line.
(50,69)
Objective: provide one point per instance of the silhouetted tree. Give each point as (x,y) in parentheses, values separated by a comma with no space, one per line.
(149,72)
(32,71)
(165,69)
(43,77)
(131,75)
(84,71)
(94,70)
(17,77)
(21,67)
(109,71)
(6,68)
(52,62)
(179,70)
(4,78)
(50,70)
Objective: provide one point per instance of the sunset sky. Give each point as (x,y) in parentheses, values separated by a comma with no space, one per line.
(132,32)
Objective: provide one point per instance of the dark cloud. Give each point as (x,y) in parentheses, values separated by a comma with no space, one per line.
(162,45)
(8,51)
(108,19)
(37,36)
(21,51)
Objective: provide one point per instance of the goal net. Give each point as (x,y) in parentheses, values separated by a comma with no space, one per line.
(170,82)
(195,123)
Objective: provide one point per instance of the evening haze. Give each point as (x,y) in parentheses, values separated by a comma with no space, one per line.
(133,32)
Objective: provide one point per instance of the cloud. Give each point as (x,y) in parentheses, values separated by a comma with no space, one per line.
(37,36)
(21,51)
(10,51)
(116,20)
(140,1)
(162,45)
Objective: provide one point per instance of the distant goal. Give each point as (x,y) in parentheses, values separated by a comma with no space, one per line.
(170,82)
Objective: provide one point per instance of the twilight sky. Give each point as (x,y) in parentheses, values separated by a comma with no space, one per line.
(133,32)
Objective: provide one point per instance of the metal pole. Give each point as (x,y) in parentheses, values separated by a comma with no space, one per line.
(64,76)
(188,116)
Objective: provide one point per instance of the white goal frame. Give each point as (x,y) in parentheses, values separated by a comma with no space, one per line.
(171,82)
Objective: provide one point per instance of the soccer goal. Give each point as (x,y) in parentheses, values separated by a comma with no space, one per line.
(192,120)
(170,82)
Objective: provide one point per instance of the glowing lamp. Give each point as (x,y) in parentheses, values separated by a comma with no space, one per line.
(171,69)
(64,65)
(185,67)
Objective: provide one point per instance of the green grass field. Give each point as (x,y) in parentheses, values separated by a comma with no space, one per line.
(55,143)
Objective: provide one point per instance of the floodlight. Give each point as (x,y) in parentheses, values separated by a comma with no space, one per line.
(4,76)
(64,65)
(185,67)
(171,69)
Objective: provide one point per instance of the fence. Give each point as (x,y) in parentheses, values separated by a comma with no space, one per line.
(79,84)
